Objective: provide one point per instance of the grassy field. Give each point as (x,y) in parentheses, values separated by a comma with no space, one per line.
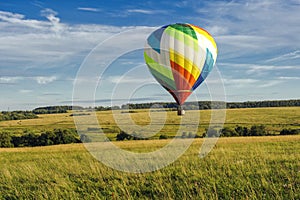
(275,119)
(237,168)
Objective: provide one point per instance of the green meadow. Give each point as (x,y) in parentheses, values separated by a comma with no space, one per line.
(275,119)
(237,168)
(266,167)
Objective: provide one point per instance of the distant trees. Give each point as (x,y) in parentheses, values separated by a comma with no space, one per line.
(67,136)
(57,136)
(198,105)
(257,104)
(290,132)
(17,115)
(204,105)
(102,108)
(5,140)
(134,136)
(55,109)
(163,137)
(123,136)
(255,130)
(241,131)
(228,132)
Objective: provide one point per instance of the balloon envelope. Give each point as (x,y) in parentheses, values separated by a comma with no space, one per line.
(180,57)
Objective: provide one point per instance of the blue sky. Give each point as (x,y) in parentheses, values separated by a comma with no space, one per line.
(44,43)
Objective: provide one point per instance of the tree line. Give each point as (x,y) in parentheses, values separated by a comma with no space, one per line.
(28,139)
(17,115)
(55,109)
(199,105)
(20,115)
(68,136)
(255,130)
(203,105)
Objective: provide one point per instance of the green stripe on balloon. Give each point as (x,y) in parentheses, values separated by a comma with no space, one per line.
(190,41)
(185,28)
(163,80)
(160,71)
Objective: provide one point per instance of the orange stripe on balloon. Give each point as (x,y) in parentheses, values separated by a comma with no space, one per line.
(184,79)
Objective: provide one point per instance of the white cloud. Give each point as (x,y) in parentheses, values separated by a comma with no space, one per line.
(9,80)
(127,79)
(217,30)
(27,44)
(143,11)
(289,78)
(256,68)
(239,82)
(18,79)
(50,15)
(232,83)
(263,68)
(182,4)
(89,9)
(243,41)
(146,12)
(269,83)
(289,56)
(16,19)
(45,80)
(25,91)
(9,16)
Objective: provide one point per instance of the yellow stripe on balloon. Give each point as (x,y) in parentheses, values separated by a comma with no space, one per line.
(186,64)
(206,35)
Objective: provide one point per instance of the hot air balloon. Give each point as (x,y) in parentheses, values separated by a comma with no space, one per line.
(180,57)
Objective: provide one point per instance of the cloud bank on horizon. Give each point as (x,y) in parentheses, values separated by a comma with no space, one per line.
(43,44)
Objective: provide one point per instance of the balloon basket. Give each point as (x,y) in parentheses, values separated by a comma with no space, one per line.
(180,111)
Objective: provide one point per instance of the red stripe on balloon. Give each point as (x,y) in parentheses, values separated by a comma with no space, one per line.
(184,80)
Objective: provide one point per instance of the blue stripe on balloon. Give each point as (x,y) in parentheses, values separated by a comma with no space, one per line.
(208,65)
(154,39)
